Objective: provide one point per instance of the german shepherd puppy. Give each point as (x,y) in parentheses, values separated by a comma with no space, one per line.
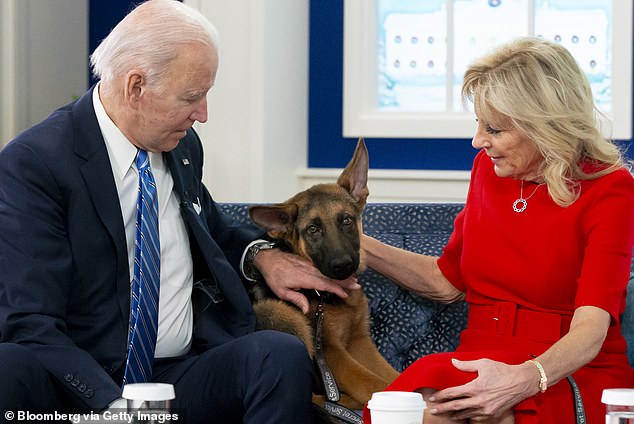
(323,225)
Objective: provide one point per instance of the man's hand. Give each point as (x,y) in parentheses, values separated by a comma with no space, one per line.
(286,274)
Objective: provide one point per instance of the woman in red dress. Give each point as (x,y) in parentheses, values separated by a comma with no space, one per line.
(541,252)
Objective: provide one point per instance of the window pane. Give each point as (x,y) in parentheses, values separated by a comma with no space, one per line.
(413,49)
(412,54)
(479,26)
(584,28)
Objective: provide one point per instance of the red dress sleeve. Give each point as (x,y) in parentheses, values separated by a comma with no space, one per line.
(449,261)
(608,226)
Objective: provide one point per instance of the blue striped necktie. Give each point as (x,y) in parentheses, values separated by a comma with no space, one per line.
(145,284)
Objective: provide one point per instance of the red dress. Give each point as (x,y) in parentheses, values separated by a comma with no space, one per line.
(525,273)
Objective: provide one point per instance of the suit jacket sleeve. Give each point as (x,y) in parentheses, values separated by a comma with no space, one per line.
(53,296)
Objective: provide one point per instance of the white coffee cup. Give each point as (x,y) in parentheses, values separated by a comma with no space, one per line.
(396,408)
(151,398)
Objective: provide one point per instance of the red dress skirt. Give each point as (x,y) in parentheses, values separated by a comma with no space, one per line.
(556,405)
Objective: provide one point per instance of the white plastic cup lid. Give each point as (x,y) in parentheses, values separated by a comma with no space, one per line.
(148,391)
(622,397)
(396,401)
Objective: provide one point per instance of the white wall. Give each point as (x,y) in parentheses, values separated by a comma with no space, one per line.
(44,60)
(256,136)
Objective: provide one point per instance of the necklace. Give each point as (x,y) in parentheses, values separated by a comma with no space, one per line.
(521,203)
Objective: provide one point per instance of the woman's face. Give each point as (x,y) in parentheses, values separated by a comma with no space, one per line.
(513,154)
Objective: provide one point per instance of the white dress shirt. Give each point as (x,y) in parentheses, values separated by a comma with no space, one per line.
(175,323)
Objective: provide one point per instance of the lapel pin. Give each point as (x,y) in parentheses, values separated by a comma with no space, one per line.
(185,161)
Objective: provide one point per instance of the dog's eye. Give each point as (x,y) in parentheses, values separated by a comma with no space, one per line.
(312,229)
(347,221)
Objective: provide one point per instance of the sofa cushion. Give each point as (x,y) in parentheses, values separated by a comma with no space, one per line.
(405,326)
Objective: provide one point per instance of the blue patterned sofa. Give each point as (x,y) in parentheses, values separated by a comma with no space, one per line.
(404,326)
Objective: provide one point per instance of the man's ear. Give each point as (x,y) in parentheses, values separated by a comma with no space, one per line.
(134,87)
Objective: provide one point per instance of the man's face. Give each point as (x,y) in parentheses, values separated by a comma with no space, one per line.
(165,115)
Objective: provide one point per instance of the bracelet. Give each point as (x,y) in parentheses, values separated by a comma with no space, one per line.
(543,380)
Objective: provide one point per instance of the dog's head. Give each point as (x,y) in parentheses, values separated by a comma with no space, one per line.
(323,223)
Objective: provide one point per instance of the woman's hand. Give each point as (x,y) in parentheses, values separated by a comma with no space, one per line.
(286,274)
(498,386)
(495,391)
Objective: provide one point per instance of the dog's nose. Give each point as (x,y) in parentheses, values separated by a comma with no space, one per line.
(342,267)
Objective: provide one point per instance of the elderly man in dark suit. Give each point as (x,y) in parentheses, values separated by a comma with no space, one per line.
(72,261)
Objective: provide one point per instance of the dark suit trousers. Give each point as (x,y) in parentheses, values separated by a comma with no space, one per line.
(264,377)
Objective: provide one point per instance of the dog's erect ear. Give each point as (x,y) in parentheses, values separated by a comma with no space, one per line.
(354,177)
(277,219)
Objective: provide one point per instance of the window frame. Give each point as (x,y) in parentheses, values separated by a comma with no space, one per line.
(362,118)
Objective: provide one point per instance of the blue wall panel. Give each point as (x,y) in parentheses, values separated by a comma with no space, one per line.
(102,17)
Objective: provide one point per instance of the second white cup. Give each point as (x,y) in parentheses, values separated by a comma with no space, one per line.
(396,408)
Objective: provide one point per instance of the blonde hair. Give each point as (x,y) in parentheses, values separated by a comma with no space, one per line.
(538,85)
(149,38)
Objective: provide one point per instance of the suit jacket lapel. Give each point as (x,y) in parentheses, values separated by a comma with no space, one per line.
(97,173)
